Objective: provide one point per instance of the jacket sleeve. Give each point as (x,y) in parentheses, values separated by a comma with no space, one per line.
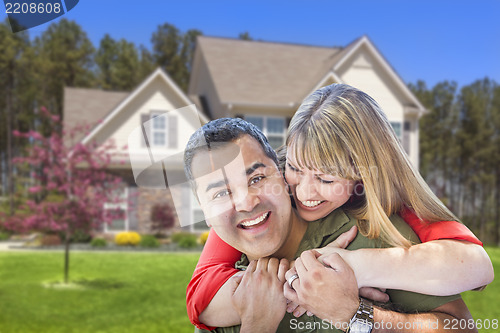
(438,230)
(215,267)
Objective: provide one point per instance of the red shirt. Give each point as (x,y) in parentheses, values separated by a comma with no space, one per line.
(216,264)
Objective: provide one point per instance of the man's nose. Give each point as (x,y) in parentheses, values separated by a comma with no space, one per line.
(245,200)
(305,190)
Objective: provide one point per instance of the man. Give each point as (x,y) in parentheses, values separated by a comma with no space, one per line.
(235,176)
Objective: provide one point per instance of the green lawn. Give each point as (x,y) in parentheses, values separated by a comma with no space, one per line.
(125,292)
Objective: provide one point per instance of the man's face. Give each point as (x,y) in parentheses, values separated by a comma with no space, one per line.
(244,198)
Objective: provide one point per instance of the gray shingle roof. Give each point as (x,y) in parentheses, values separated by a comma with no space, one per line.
(264,72)
(84,106)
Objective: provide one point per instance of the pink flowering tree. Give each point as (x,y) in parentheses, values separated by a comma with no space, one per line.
(77,174)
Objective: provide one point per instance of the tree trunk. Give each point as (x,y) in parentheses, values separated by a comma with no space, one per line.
(66,257)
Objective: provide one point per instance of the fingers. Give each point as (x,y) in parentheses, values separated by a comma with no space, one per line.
(290,293)
(251,266)
(282,270)
(308,258)
(273,265)
(345,239)
(262,264)
(373,294)
(335,261)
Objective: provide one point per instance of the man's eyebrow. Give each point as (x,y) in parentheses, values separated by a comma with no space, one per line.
(220,183)
(254,167)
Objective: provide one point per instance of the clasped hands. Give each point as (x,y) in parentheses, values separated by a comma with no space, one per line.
(326,287)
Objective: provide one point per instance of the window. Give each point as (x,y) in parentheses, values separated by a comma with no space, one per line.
(158,129)
(120,219)
(163,129)
(272,127)
(396,126)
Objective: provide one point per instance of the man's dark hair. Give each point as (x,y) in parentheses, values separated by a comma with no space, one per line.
(220,131)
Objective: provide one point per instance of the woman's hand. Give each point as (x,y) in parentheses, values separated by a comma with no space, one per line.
(330,292)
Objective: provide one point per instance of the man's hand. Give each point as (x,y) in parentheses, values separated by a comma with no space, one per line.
(330,292)
(258,296)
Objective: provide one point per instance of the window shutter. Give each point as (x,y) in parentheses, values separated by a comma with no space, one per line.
(172,131)
(146,130)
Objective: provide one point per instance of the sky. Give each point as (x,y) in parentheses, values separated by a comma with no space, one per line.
(426,40)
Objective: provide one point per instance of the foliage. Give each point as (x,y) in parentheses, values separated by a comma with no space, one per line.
(98,242)
(127,238)
(162,218)
(173,51)
(118,63)
(203,238)
(460,151)
(188,241)
(4,235)
(74,176)
(149,241)
(176,237)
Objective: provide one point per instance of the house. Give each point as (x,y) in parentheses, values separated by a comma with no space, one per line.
(265,82)
(262,82)
(153,122)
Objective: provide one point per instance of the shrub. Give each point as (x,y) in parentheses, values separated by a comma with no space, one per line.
(127,238)
(188,241)
(149,241)
(203,238)
(162,217)
(98,242)
(4,236)
(178,236)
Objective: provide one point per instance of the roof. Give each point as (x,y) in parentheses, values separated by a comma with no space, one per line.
(84,106)
(249,71)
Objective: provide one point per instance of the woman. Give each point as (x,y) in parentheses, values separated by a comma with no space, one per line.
(342,152)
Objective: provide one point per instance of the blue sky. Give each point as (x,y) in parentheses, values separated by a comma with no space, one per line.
(428,40)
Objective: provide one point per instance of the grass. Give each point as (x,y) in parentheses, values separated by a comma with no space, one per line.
(115,292)
(486,304)
(125,292)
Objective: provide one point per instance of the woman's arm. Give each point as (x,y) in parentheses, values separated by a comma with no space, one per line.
(440,268)
(214,268)
(448,246)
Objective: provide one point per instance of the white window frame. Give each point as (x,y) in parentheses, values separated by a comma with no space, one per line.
(123,205)
(265,130)
(154,130)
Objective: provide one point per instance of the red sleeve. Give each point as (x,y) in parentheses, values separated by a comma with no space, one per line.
(215,267)
(438,230)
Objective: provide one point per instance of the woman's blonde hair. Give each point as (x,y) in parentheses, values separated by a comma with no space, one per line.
(340,130)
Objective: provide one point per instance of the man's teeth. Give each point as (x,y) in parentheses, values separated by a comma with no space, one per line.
(256,221)
(311,203)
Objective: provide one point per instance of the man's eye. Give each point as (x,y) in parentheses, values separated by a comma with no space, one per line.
(326,181)
(221,194)
(255,180)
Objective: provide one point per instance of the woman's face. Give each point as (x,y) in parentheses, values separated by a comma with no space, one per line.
(316,194)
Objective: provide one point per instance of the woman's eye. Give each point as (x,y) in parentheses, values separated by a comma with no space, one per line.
(221,194)
(326,181)
(292,168)
(255,180)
